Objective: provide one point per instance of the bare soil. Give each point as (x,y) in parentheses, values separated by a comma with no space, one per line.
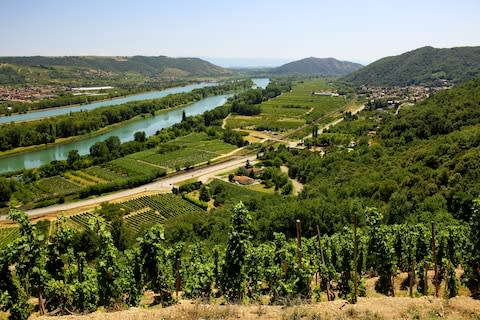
(366,308)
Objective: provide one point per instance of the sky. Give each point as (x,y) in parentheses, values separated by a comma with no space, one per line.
(242,32)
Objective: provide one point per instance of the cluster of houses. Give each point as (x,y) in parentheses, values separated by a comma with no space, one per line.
(395,96)
(35,93)
(29,93)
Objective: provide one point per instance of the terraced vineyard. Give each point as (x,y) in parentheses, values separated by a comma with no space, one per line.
(80,221)
(143,212)
(142,221)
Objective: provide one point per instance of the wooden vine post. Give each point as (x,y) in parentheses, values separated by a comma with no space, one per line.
(355,259)
(322,257)
(435,262)
(299,244)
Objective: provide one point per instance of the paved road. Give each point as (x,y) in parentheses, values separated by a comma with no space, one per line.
(164,184)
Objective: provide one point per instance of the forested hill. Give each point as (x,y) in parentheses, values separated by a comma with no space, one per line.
(318,66)
(421,66)
(21,69)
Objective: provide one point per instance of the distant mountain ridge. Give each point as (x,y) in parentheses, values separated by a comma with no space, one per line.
(318,66)
(421,66)
(147,66)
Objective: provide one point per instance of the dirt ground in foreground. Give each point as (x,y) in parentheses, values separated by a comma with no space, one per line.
(366,308)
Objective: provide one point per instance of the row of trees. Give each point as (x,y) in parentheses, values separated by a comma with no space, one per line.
(65,279)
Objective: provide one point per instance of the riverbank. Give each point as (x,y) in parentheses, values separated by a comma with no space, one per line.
(111,99)
(60,141)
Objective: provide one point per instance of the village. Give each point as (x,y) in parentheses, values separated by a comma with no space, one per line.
(31,93)
(392,97)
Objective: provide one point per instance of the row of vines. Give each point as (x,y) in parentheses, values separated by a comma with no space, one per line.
(57,272)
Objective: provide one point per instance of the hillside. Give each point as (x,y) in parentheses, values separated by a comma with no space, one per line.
(420,66)
(20,70)
(318,66)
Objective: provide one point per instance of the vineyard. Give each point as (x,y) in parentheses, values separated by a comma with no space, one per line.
(191,149)
(58,185)
(143,212)
(425,259)
(130,167)
(7,235)
(104,173)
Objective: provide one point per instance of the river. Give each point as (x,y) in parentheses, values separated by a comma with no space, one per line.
(150,125)
(52,112)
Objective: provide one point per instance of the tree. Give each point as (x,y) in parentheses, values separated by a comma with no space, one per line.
(287,188)
(139,136)
(99,150)
(204,194)
(113,144)
(73,156)
(184,116)
(234,275)
(7,187)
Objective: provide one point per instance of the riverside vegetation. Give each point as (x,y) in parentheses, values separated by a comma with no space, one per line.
(79,123)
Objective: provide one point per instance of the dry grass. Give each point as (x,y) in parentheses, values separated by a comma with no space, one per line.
(427,308)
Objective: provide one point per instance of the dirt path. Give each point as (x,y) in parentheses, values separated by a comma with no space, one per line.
(224,122)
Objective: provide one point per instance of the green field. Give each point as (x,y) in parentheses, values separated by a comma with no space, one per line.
(130,167)
(291,109)
(193,149)
(58,185)
(104,173)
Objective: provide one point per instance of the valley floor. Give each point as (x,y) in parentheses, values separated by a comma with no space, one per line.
(367,308)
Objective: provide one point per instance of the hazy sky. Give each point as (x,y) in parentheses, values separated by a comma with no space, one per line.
(360,31)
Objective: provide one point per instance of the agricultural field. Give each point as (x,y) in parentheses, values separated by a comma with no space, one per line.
(58,185)
(104,173)
(131,167)
(143,212)
(291,109)
(233,193)
(191,149)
